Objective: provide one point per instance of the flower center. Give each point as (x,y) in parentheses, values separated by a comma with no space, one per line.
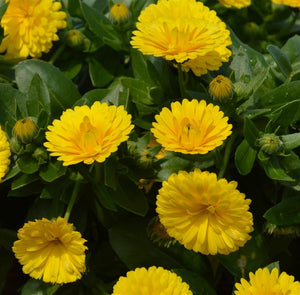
(211,209)
(89,135)
(189,134)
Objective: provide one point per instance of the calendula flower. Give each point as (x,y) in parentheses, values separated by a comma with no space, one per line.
(51,251)
(264,282)
(30,27)
(221,88)
(154,280)
(119,13)
(4,154)
(203,213)
(235,3)
(182,30)
(25,130)
(191,127)
(292,3)
(88,134)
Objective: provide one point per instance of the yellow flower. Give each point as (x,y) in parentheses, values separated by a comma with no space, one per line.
(119,13)
(4,154)
(182,30)
(88,134)
(30,26)
(51,251)
(192,127)
(203,213)
(154,280)
(265,283)
(236,3)
(24,130)
(292,3)
(220,88)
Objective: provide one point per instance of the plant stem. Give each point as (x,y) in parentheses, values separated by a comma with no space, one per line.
(57,53)
(227,153)
(72,200)
(98,172)
(181,81)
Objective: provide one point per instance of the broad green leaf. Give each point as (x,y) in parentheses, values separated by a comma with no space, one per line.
(274,170)
(281,59)
(3,8)
(27,164)
(38,97)
(99,75)
(91,96)
(11,173)
(52,171)
(129,197)
(38,287)
(244,158)
(291,49)
(104,197)
(291,141)
(31,189)
(102,27)
(251,133)
(63,92)
(273,265)
(110,166)
(287,212)
(23,180)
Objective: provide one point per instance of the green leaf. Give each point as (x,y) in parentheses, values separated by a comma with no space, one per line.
(7,238)
(244,158)
(251,133)
(23,180)
(291,49)
(38,287)
(274,170)
(287,212)
(3,9)
(63,92)
(110,166)
(291,141)
(130,241)
(104,196)
(273,265)
(281,59)
(129,197)
(101,26)
(27,164)
(7,260)
(52,171)
(11,173)
(99,75)
(38,97)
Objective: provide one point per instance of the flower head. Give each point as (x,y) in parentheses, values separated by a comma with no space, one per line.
(181,31)
(51,251)
(270,143)
(24,130)
(4,154)
(88,134)
(220,88)
(154,280)
(119,13)
(265,283)
(292,3)
(203,213)
(30,26)
(236,3)
(191,127)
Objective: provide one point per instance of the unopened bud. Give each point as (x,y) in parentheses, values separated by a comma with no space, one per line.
(74,39)
(221,88)
(41,155)
(270,144)
(119,13)
(25,130)
(15,145)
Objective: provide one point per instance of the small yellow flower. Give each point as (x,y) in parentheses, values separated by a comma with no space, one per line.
(30,26)
(265,283)
(203,213)
(51,251)
(292,3)
(25,130)
(154,280)
(4,154)
(88,134)
(220,88)
(119,13)
(191,127)
(183,30)
(236,3)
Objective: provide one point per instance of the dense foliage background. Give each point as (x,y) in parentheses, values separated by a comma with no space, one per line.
(112,212)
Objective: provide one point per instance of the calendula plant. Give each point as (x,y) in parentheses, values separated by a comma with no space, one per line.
(149,147)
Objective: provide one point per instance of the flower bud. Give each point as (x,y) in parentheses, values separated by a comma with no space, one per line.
(74,39)
(119,13)
(221,88)
(280,230)
(41,155)
(270,143)
(15,145)
(145,158)
(25,130)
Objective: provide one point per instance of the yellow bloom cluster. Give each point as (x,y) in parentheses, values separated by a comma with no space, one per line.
(4,154)
(292,3)
(51,251)
(191,127)
(154,280)
(264,282)
(183,31)
(236,3)
(204,214)
(30,26)
(88,134)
